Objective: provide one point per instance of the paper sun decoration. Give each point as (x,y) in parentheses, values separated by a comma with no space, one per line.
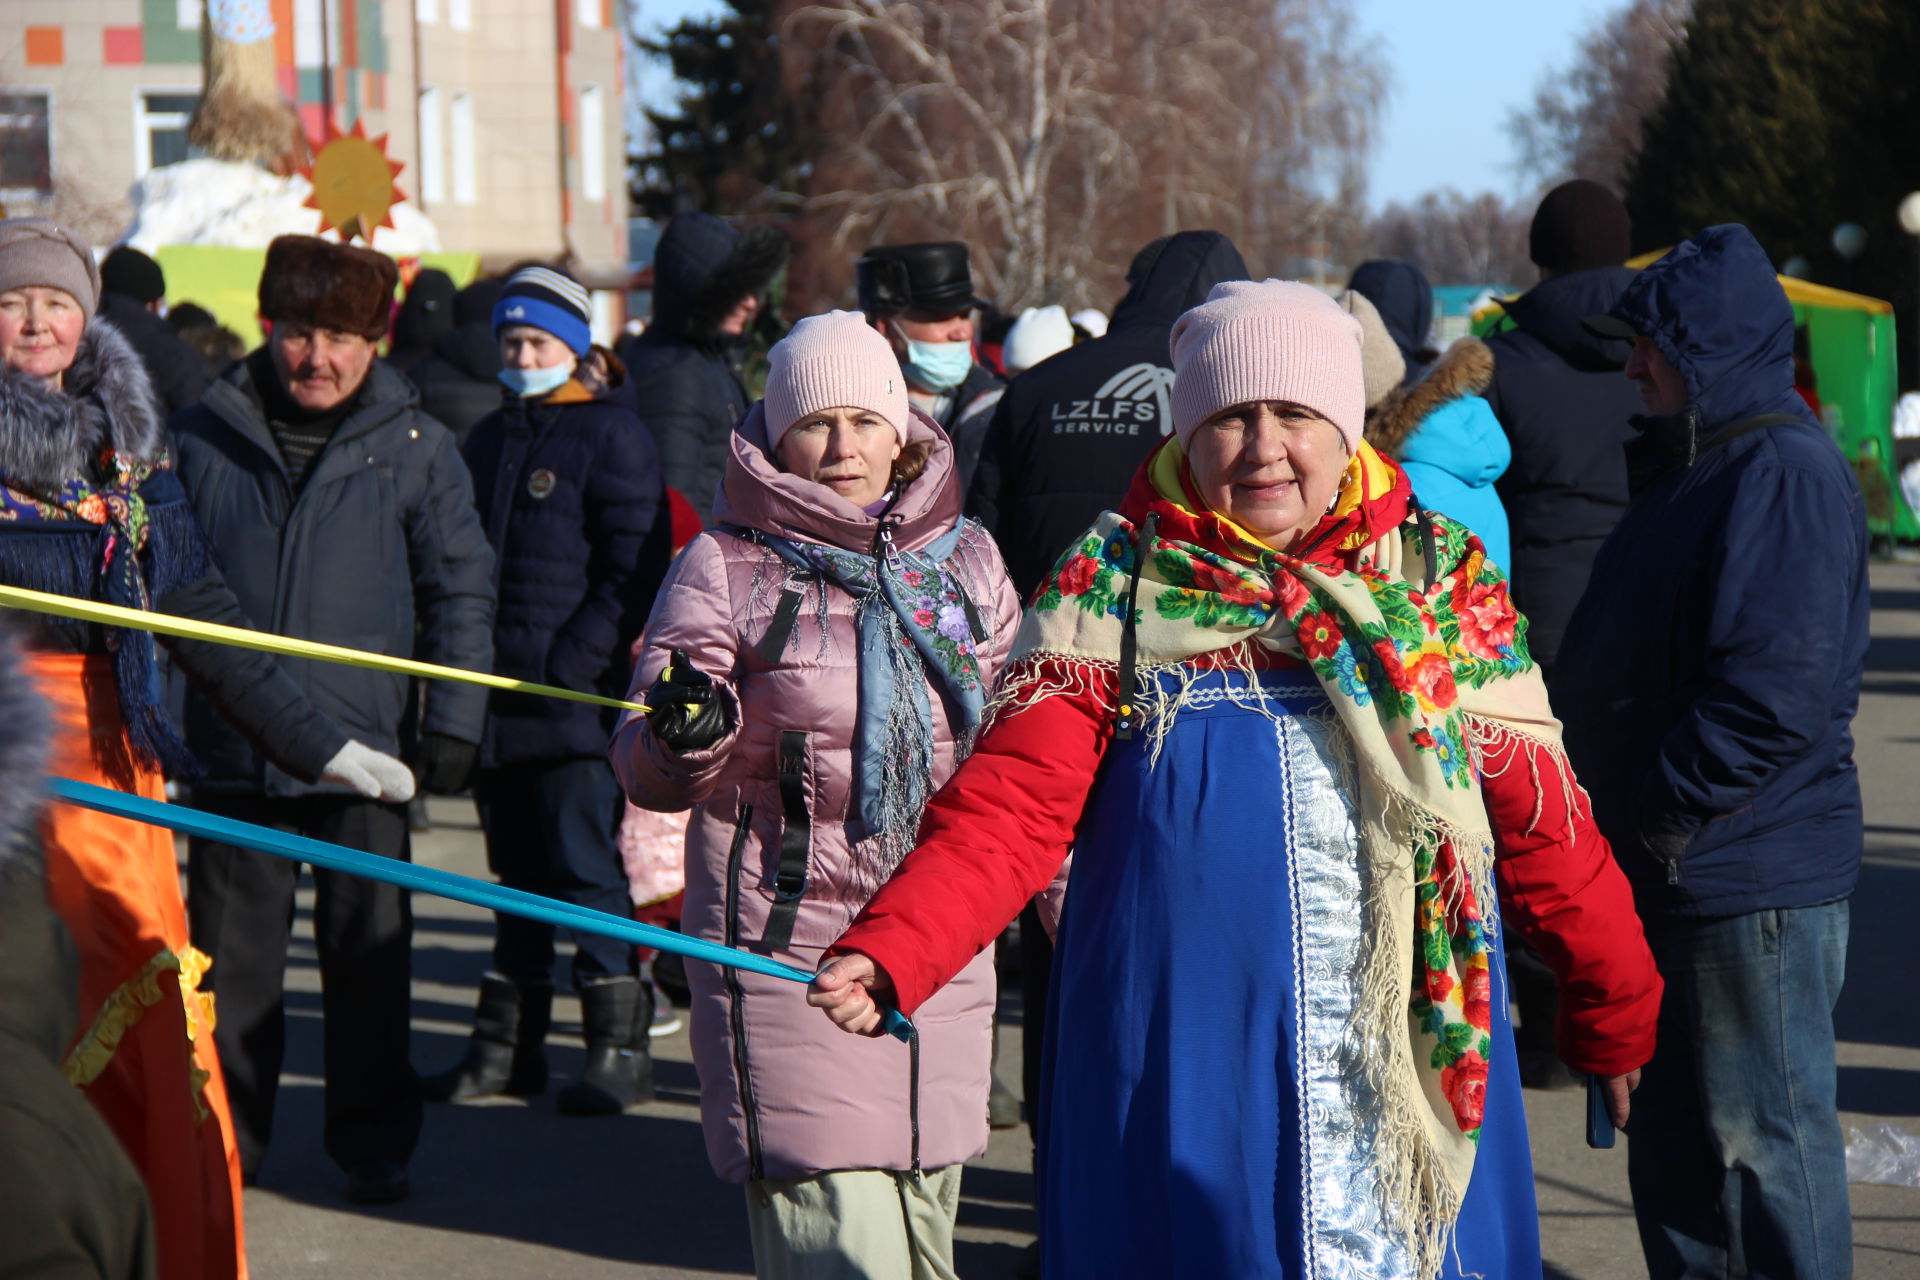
(353,182)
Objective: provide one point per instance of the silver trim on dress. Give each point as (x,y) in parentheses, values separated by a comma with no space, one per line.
(1344,1218)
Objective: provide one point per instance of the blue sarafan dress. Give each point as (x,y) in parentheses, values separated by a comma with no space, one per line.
(1207,1116)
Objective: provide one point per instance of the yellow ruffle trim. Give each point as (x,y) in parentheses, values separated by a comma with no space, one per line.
(129,1003)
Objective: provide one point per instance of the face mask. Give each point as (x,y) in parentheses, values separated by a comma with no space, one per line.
(535,382)
(938,366)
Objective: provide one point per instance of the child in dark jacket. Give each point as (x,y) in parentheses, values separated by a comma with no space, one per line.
(568,485)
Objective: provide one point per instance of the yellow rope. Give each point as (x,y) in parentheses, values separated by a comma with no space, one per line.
(285,646)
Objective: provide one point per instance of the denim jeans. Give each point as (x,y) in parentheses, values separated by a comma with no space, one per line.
(1735,1154)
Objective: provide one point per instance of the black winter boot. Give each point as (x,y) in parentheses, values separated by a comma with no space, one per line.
(505,1053)
(614,1012)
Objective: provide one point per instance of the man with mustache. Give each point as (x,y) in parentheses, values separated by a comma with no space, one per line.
(340,513)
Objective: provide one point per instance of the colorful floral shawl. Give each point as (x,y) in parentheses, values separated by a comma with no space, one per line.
(1417,676)
(92,536)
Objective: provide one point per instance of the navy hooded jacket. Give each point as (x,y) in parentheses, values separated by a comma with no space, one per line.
(568,490)
(1070,432)
(1400,293)
(1709,677)
(684,382)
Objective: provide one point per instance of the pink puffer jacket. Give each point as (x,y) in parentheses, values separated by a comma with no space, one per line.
(784,1094)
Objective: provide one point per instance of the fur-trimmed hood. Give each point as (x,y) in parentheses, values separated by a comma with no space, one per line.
(48,437)
(704,266)
(1465,370)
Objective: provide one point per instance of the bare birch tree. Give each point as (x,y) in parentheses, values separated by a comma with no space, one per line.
(1585,122)
(1457,239)
(1058,136)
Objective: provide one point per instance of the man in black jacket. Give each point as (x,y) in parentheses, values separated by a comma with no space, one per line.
(1558,392)
(920,297)
(708,280)
(568,484)
(460,380)
(343,514)
(131,284)
(1068,435)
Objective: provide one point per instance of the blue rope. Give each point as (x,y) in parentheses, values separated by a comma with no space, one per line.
(445,884)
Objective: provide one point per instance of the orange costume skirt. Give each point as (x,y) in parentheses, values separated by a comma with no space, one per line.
(145,1056)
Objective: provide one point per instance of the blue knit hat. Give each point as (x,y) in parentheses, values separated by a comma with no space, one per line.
(546,299)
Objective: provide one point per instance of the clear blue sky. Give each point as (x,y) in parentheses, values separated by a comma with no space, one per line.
(1457,67)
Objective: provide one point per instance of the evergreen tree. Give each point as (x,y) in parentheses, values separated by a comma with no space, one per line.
(1792,116)
(730,145)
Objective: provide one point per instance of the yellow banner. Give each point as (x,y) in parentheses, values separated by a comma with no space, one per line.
(166,624)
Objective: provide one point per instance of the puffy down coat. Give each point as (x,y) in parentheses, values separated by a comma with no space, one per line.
(784,1094)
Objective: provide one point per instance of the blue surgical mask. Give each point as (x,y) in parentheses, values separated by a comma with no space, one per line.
(938,366)
(535,382)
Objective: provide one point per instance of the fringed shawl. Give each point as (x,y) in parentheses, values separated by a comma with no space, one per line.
(90,508)
(1412,635)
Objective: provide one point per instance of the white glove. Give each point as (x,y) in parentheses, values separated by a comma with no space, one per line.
(374,774)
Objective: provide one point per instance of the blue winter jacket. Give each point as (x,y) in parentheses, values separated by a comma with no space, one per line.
(1453,460)
(1446,437)
(568,487)
(1709,676)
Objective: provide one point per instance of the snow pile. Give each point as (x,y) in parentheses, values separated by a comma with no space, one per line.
(239,206)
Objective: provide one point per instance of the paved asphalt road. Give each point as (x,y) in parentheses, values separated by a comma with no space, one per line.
(513,1190)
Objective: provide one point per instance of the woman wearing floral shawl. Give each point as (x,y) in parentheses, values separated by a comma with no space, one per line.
(1286,723)
(90,507)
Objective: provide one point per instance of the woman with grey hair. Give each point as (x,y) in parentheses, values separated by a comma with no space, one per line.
(90,508)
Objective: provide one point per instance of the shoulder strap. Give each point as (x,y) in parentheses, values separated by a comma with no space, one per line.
(1747,426)
(790,878)
(1124,725)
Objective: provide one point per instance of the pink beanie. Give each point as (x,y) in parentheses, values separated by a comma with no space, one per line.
(1275,340)
(833,361)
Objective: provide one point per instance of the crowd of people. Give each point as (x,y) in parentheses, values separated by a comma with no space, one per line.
(1357,731)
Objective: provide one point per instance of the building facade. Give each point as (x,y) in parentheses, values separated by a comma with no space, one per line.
(506,113)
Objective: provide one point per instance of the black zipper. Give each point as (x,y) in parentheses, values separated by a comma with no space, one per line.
(737,998)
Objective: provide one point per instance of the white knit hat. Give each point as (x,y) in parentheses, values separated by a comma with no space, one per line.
(833,361)
(1038,333)
(1275,340)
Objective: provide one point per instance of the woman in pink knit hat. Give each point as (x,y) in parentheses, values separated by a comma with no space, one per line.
(1286,723)
(816,665)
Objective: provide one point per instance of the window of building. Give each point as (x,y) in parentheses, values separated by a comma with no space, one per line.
(26,143)
(465,184)
(427,11)
(460,14)
(433,164)
(589,11)
(593,143)
(160,128)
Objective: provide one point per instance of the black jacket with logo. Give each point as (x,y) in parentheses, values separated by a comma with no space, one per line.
(1070,432)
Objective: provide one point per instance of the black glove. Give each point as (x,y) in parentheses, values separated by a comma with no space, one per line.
(685,709)
(444,764)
